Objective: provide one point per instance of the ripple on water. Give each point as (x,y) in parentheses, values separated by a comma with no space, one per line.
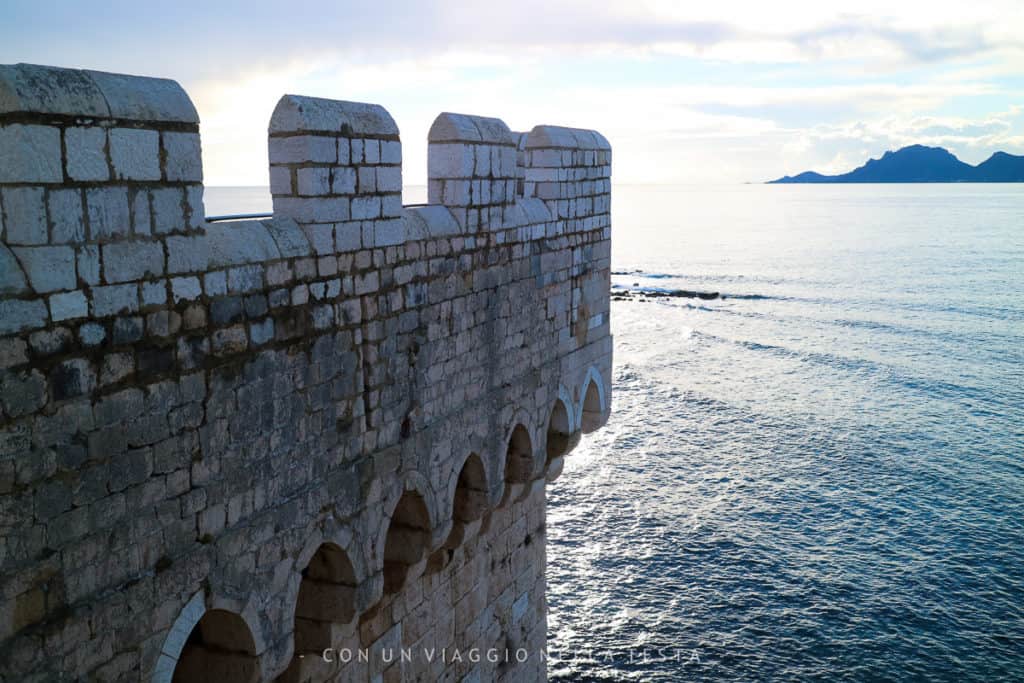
(747,516)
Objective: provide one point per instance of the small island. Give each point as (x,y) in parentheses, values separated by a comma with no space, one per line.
(921,164)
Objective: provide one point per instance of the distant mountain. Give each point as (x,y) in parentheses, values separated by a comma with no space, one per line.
(920,164)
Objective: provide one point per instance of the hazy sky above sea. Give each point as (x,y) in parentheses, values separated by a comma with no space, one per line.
(722,91)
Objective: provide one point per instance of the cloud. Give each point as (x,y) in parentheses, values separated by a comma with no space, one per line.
(217,39)
(840,39)
(731,90)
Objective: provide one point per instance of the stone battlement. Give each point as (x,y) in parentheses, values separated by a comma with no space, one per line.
(228,446)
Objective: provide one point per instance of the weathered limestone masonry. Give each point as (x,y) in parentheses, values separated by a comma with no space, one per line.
(227,446)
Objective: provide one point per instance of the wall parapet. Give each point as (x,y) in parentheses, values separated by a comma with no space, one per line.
(227,445)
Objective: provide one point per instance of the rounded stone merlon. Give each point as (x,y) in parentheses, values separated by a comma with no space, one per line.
(565,138)
(49,90)
(145,99)
(296,113)
(449,127)
(430,221)
(31,88)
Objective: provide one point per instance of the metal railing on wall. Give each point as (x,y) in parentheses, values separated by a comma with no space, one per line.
(238,217)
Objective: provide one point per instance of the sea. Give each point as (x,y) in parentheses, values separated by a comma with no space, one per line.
(818,475)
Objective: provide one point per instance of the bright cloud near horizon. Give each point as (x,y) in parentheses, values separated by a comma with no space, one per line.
(727,91)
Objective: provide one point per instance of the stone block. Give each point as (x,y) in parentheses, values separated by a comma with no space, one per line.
(126,261)
(194,205)
(388,233)
(347,236)
(168,210)
(116,366)
(17,315)
(365,208)
(226,310)
(300,295)
(187,254)
(390,152)
(450,160)
(281,180)
(255,306)
(314,181)
(127,330)
(321,238)
(279,274)
(154,293)
(371,151)
(51,341)
(343,155)
(160,324)
(13,351)
(92,334)
(68,305)
(154,361)
(313,209)
(185,289)
(12,279)
(245,279)
(22,393)
(25,215)
(229,340)
(142,221)
(88,259)
(183,159)
(215,283)
(87,153)
(67,218)
(71,378)
(115,299)
(298,149)
(107,208)
(391,205)
(456,193)
(344,180)
(261,332)
(49,269)
(389,179)
(135,153)
(30,154)
(367,180)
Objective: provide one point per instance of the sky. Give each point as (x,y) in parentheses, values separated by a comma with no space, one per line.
(686,92)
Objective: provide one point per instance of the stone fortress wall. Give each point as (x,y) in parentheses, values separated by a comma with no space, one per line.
(227,446)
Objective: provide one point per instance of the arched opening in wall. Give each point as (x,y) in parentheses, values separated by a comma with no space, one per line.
(519,456)
(469,505)
(407,540)
(559,432)
(592,412)
(220,648)
(470,492)
(326,597)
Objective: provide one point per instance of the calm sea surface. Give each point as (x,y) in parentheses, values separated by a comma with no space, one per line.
(819,476)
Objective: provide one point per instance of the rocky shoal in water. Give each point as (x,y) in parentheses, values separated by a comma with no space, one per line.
(640,295)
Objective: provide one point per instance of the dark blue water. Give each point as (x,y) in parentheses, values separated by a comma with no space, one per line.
(819,477)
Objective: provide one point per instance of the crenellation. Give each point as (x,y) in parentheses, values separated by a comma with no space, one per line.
(227,446)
